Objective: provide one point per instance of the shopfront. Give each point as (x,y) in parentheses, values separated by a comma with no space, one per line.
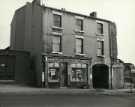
(66,72)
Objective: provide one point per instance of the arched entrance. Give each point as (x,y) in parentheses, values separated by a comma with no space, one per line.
(100,73)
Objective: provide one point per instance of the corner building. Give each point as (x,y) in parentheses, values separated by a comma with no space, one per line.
(67,49)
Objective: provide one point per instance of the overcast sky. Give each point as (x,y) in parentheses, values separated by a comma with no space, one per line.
(122,12)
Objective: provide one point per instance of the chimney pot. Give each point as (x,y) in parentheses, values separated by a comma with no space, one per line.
(93,14)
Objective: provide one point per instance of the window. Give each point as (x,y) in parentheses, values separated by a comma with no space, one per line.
(79,23)
(53,72)
(57,20)
(79,45)
(56,43)
(99,28)
(79,72)
(100,51)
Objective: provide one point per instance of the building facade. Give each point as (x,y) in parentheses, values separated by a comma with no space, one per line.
(68,49)
(129,75)
(14,67)
(118,74)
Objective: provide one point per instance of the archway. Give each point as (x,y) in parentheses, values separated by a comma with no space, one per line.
(100,73)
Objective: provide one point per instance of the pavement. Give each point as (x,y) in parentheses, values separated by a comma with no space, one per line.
(22,89)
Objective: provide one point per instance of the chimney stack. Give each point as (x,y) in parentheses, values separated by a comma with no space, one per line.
(93,14)
(39,2)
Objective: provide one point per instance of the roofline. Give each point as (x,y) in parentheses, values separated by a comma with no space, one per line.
(79,14)
(10,50)
(65,11)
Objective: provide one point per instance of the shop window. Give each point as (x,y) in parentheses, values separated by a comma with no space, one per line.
(53,72)
(79,72)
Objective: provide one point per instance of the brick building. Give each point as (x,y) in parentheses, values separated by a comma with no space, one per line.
(68,49)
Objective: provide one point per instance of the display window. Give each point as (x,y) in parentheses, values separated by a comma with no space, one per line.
(53,72)
(79,72)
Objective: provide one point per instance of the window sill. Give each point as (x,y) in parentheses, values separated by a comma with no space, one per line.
(59,28)
(98,34)
(79,31)
(80,54)
(78,36)
(56,33)
(101,56)
(57,53)
(82,81)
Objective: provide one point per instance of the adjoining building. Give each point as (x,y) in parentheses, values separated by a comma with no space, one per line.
(15,67)
(129,75)
(68,49)
(118,74)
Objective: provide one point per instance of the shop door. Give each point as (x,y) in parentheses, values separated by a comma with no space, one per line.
(64,75)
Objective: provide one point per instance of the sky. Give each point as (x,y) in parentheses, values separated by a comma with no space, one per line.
(122,12)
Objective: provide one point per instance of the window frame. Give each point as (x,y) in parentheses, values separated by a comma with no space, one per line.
(54,20)
(102,28)
(60,44)
(84,72)
(80,24)
(57,68)
(100,47)
(82,46)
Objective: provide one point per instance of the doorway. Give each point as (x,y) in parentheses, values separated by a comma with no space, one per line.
(100,73)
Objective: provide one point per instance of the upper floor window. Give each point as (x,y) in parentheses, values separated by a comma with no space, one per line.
(99,28)
(57,20)
(100,51)
(79,46)
(79,24)
(56,45)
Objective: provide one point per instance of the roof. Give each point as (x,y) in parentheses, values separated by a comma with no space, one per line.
(13,52)
(68,12)
(74,13)
(78,14)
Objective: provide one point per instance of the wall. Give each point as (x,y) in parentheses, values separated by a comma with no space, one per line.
(68,37)
(118,75)
(23,72)
(26,33)
(17,63)
(17,29)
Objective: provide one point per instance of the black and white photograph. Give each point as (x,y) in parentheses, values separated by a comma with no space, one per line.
(67,53)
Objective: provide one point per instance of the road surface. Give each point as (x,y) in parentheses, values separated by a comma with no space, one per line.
(43,100)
